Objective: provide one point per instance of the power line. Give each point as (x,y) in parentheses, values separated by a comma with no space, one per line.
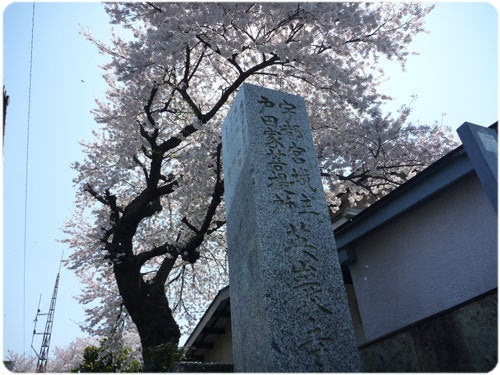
(26,178)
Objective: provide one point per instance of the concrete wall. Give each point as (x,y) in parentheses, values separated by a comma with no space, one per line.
(464,339)
(461,340)
(430,259)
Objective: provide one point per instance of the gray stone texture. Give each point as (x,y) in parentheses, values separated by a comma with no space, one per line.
(462,340)
(288,302)
(201,367)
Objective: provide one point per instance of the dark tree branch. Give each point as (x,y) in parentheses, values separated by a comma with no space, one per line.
(197,111)
(187,65)
(181,291)
(231,60)
(185,132)
(190,253)
(146,152)
(151,138)
(164,270)
(189,225)
(152,5)
(178,276)
(143,167)
(237,83)
(115,211)
(108,200)
(167,188)
(146,204)
(295,30)
(105,237)
(166,105)
(366,37)
(217,225)
(89,189)
(196,66)
(166,248)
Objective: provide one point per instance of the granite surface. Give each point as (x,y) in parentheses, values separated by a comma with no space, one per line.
(288,302)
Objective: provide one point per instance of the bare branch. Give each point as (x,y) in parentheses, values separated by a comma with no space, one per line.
(190,252)
(152,5)
(164,270)
(89,189)
(196,66)
(143,167)
(185,132)
(217,225)
(189,225)
(187,65)
(166,248)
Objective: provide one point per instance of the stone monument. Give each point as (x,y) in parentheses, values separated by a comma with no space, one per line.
(289,308)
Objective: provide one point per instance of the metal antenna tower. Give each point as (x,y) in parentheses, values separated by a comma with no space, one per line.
(43,354)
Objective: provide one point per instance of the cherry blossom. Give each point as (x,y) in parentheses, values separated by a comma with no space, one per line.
(148,231)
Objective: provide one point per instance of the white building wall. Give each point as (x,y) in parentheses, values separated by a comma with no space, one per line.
(433,257)
(222,352)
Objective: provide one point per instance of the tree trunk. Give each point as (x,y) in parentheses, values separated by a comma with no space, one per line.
(148,307)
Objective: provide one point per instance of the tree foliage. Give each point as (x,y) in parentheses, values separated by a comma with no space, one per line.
(148,230)
(20,362)
(95,359)
(81,355)
(64,359)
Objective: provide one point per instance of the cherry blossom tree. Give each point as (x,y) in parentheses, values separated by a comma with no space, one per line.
(148,229)
(20,362)
(71,357)
(65,359)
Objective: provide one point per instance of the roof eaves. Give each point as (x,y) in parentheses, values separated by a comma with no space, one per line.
(221,296)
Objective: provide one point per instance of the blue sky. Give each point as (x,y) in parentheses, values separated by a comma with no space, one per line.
(60,105)
(455,73)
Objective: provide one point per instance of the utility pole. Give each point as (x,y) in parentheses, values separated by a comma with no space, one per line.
(43,354)
(5,104)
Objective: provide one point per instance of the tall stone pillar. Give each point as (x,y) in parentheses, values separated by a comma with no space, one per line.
(289,308)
